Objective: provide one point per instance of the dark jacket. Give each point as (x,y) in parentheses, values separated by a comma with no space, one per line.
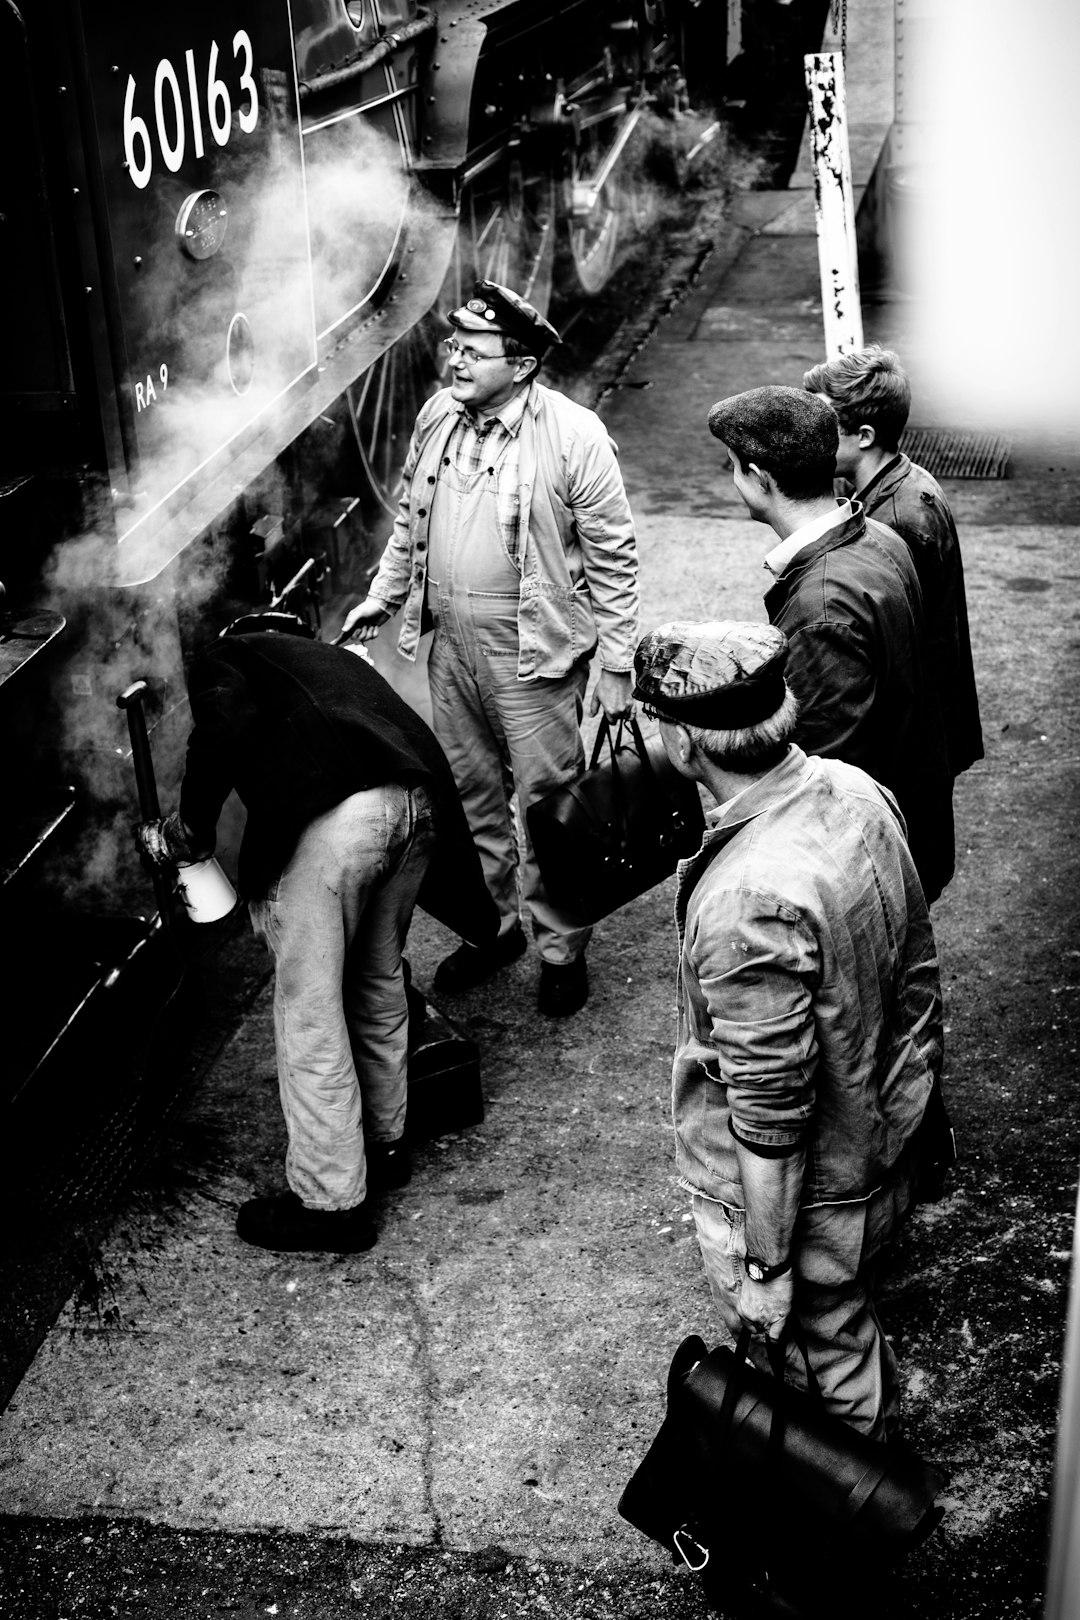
(909,500)
(851,608)
(295,726)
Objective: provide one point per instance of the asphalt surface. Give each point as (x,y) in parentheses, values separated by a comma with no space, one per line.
(443,1426)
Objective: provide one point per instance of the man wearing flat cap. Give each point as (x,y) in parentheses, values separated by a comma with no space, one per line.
(809,1013)
(514,539)
(845,591)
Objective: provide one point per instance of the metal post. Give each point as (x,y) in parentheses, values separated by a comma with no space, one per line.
(837,252)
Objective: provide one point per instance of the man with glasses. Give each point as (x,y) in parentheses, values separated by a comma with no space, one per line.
(514,540)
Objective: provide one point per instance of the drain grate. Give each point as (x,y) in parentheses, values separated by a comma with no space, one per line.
(946,453)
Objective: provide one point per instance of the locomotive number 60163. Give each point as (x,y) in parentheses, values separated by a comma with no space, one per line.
(172,113)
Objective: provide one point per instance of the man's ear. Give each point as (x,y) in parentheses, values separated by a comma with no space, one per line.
(762,478)
(867,436)
(684,745)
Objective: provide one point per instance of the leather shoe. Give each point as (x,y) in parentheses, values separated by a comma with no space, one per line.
(388,1164)
(470,965)
(564,987)
(283,1223)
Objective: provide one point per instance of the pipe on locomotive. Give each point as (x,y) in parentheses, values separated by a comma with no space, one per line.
(423,24)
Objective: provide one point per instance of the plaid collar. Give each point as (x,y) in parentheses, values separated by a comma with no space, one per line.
(509,417)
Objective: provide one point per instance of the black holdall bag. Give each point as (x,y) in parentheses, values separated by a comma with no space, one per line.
(617,831)
(774,1501)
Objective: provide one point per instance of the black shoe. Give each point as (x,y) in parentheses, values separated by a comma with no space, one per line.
(470,964)
(388,1164)
(285,1224)
(564,987)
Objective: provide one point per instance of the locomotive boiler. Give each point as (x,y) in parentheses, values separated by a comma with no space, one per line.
(229,233)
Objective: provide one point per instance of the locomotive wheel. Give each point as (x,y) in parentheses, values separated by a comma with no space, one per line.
(507,231)
(594,235)
(384,402)
(506,234)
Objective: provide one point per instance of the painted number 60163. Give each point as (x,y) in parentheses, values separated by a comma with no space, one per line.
(171,111)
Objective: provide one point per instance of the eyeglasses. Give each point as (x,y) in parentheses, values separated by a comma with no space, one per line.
(470,356)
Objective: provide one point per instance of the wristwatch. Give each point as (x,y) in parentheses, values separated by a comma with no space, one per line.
(759,1272)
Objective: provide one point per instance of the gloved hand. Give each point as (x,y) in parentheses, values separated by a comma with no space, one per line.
(170,842)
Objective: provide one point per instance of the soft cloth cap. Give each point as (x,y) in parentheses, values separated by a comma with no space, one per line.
(784,428)
(721,675)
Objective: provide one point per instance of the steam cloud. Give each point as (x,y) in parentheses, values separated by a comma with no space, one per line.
(356,197)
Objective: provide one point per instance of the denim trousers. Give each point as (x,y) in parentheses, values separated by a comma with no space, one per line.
(848,1351)
(335,923)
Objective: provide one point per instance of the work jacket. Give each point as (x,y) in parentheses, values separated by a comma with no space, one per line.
(909,500)
(809,1005)
(578,553)
(851,608)
(296,726)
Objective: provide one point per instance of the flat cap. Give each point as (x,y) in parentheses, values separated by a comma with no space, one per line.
(783,428)
(498,309)
(721,675)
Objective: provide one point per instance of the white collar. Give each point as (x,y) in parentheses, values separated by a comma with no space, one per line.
(780,558)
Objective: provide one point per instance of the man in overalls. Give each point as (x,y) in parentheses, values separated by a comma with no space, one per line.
(514,539)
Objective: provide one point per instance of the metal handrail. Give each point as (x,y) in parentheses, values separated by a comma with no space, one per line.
(423,24)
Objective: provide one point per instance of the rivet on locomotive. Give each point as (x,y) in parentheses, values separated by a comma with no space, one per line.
(228,232)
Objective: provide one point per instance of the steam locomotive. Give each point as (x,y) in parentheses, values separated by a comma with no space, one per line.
(229,232)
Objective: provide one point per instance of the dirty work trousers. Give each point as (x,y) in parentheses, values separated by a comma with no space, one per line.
(335,923)
(848,1351)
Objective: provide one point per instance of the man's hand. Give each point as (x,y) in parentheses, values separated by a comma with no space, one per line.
(614,694)
(362,624)
(171,842)
(765,1307)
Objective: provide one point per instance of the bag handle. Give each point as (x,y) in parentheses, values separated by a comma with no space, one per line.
(618,790)
(603,734)
(776,1350)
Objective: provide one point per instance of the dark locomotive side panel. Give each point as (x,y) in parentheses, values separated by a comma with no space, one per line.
(195,127)
(235,231)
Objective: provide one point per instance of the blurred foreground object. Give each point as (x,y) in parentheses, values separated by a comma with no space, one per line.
(985,145)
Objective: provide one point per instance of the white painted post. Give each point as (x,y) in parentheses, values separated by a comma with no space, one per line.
(1063,1574)
(837,252)
(734,29)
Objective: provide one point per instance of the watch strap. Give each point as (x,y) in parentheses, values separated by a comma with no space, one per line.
(758,1271)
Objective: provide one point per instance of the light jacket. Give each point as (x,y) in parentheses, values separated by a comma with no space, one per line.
(809,1004)
(858,662)
(579,582)
(909,500)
